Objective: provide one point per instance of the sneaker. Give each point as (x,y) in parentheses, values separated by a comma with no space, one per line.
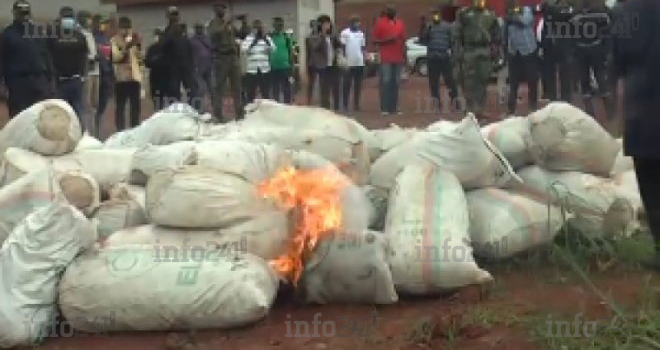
(384,113)
(399,112)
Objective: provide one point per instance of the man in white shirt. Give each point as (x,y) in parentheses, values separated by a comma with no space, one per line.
(257,48)
(91,83)
(353,42)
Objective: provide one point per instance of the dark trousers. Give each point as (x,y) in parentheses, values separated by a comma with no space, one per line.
(648,173)
(556,64)
(312,75)
(172,93)
(127,92)
(329,81)
(588,60)
(281,82)
(389,80)
(523,68)
(353,77)
(71,91)
(441,66)
(105,93)
(257,80)
(202,88)
(227,69)
(24,91)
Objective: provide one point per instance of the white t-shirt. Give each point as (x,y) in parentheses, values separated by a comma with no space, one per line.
(354,42)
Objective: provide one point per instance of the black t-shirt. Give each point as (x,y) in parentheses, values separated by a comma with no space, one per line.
(69,51)
(22,54)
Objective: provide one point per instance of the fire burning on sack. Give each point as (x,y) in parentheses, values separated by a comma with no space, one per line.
(314,196)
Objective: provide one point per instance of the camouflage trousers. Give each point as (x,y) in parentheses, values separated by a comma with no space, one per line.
(476,72)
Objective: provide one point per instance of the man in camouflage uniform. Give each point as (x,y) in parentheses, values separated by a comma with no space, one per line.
(226,61)
(477,47)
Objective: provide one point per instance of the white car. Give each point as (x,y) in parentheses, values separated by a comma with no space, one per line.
(416,54)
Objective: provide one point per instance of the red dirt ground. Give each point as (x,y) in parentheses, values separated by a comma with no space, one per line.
(472,319)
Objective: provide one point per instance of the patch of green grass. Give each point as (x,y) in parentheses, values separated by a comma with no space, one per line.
(578,253)
(485,316)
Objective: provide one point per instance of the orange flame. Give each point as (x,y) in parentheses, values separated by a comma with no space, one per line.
(315,195)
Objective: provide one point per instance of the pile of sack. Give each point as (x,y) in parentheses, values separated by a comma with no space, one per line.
(169,216)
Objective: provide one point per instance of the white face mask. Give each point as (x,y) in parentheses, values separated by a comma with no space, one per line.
(68,23)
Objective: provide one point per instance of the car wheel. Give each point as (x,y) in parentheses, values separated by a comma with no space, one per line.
(422,67)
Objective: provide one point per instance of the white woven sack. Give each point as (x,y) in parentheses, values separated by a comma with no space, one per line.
(600,207)
(165,295)
(32,260)
(504,223)
(427,228)
(564,138)
(48,127)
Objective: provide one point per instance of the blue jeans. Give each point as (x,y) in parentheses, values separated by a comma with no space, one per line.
(390,79)
(71,91)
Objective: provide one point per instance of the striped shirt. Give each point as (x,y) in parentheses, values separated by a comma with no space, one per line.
(257,56)
(520,34)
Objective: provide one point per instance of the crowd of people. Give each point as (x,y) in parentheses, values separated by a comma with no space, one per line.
(81,64)
(77,59)
(554,41)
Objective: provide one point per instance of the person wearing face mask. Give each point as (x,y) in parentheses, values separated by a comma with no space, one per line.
(127,59)
(521,45)
(26,68)
(203,63)
(438,41)
(354,44)
(156,61)
(106,74)
(390,36)
(226,62)
(257,48)
(70,53)
(478,37)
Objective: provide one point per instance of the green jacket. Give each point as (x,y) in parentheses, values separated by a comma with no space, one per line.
(476,30)
(280,58)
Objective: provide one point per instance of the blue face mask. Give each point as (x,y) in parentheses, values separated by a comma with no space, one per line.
(68,23)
